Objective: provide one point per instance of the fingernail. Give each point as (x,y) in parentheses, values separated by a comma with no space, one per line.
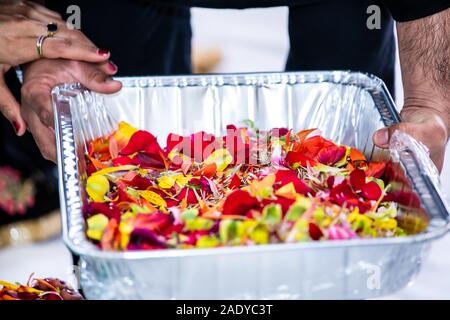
(102,52)
(382,137)
(16,126)
(112,66)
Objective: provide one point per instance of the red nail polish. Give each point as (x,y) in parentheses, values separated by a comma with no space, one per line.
(103,52)
(16,126)
(112,66)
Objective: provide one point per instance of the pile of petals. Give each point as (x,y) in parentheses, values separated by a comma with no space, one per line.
(247,187)
(38,289)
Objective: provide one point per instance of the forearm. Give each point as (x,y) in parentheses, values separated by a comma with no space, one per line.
(424,47)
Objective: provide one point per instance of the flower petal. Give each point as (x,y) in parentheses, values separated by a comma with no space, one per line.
(96,187)
(357,179)
(239,202)
(372,191)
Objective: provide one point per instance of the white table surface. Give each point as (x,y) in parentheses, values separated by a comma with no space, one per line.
(250,40)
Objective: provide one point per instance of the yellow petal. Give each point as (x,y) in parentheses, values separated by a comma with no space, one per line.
(183,180)
(166,182)
(262,188)
(96,226)
(126,226)
(124,133)
(287,191)
(8,285)
(127,167)
(221,157)
(96,187)
(153,198)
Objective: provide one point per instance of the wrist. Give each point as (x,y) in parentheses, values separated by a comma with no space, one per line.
(427,104)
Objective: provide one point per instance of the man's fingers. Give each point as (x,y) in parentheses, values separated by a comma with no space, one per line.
(430,133)
(382,137)
(43,135)
(11,109)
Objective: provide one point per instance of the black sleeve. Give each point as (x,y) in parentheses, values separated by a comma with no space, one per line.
(227,4)
(407,10)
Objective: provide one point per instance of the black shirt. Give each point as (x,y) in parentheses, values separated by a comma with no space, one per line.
(152,37)
(401,10)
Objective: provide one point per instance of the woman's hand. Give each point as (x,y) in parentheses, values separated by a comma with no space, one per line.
(21,23)
(30,10)
(18,36)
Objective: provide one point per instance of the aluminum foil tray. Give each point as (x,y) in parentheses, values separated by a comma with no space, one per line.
(347,107)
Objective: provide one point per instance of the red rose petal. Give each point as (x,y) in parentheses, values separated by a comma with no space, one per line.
(330,155)
(149,161)
(314,231)
(235,182)
(293,157)
(408,199)
(343,194)
(138,142)
(357,179)
(124,160)
(313,145)
(372,191)
(156,221)
(284,177)
(375,169)
(108,209)
(239,202)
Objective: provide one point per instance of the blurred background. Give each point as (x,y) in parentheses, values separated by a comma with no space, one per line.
(224,41)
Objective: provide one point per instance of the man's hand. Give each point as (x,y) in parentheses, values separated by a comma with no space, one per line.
(424,47)
(425,125)
(39,79)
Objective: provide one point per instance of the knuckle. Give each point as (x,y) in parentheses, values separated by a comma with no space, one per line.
(25,91)
(65,42)
(45,116)
(46,152)
(97,76)
(76,33)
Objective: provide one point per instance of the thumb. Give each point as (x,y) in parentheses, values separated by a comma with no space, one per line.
(93,77)
(382,137)
(11,108)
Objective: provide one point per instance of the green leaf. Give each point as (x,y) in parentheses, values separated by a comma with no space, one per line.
(96,225)
(199,224)
(295,212)
(189,214)
(301,230)
(260,234)
(342,162)
(319,214)
(297,209)
(327,169)
(272,213)
(207,242)
(228,230)
(249,123)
